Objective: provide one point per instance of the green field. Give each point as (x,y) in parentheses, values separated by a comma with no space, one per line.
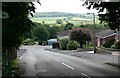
(47,20)
(74,20)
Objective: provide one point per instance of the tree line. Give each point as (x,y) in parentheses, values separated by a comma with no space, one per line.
(59,14)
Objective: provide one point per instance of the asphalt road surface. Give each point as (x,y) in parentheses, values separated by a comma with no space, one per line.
(39,62)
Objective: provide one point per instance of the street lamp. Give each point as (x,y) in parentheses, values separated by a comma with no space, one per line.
(94,31)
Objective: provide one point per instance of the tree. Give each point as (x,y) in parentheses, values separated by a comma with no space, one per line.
(81,35)
(41,33)
(53,31)
(15,23)
(59,21)
(28,35)
(69,26)
(112,14)
(83,26)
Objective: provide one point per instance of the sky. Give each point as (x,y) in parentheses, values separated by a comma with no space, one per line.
(71,6)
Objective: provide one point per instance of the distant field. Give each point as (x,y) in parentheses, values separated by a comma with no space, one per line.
(74,20)
(48,20)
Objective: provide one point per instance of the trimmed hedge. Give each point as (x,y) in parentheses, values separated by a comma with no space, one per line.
(117,44)
(63,42)
(72,45)
(29,42)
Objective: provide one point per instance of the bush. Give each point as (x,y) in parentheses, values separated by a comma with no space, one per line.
(117,44)
(31,42)
(109,43)
(63,42)
(72,45)
(113,46)
(28,42)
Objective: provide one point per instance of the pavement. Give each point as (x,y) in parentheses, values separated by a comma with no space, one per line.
(20,52)
(38,62)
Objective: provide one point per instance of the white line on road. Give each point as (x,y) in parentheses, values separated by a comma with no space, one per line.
(85,75)
(58,60)
(67,65)
(20,58)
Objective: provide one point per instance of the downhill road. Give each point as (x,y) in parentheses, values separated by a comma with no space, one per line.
(39,62)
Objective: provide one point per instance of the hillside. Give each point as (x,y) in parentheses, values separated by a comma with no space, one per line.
(51,17)
(59,14)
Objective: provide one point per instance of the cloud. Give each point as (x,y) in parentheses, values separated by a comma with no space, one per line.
(73,6)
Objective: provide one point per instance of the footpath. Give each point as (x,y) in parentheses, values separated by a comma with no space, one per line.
(20,52)
(108,59)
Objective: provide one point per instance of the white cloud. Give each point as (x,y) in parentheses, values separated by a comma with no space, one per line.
(73,6)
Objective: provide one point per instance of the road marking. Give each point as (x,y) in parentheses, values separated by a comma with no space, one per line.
(85,75)
(58,60)
(67,65)
(20,58)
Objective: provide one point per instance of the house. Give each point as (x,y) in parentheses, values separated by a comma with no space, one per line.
(105,35)
(63,33)
(67,32)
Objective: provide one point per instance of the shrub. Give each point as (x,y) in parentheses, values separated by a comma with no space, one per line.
(109,43)
(31,42)
(117,44)
(113,46)
(28,42)
(63,42)
(72,45)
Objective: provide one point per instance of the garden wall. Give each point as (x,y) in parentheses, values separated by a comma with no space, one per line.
(108,51)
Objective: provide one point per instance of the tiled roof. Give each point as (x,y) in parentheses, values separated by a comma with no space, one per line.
(105,33)
(64,33)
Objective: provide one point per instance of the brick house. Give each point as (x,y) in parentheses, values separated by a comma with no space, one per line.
(103,36)
(63,33)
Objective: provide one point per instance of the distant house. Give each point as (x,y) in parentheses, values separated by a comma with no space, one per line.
(103,36)
(64,33)
(67,32)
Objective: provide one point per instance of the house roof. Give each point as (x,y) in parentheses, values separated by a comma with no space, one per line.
(64,33)
(105,33)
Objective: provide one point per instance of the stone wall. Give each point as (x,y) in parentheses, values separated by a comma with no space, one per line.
(107,50)
(84,49)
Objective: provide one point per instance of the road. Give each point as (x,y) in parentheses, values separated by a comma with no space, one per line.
(38,62)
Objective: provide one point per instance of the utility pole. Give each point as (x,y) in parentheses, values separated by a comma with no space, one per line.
(94,31)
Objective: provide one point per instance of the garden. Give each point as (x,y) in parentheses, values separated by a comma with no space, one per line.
(78,38)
